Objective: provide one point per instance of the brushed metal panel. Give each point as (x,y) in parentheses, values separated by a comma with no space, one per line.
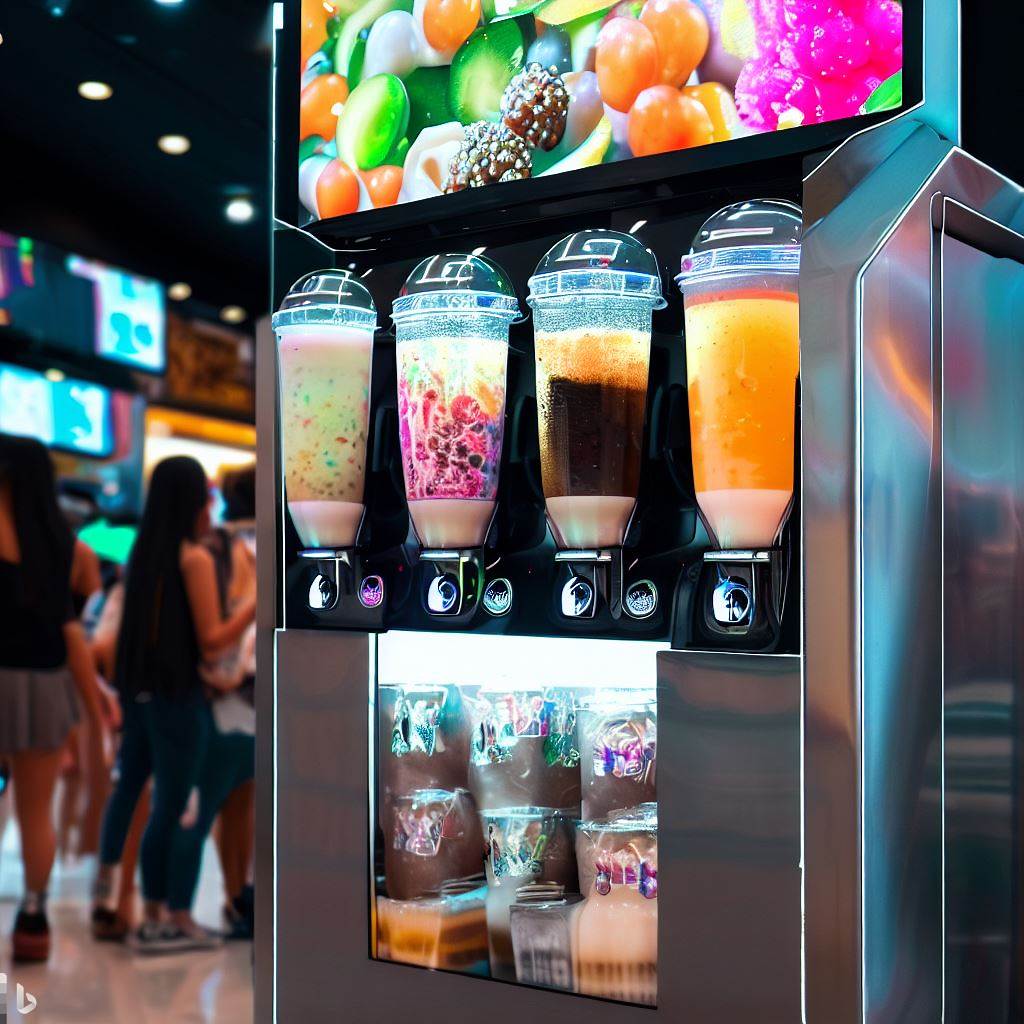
(729,813)
(982,313)
(873,614)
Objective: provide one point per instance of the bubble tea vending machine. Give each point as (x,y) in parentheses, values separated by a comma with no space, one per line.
(640,489)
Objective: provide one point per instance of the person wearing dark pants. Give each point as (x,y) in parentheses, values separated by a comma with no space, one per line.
(229,762)
(172,622)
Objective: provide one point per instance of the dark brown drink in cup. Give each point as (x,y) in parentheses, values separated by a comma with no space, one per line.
(522,749)
(434,839)
(423,736)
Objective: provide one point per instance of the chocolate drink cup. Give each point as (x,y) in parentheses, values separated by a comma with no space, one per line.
(592,296)
(537,766)
(618,753)
(525,844)
(616,931)
(452,321)
(435,839)
(423,737)
(325,350)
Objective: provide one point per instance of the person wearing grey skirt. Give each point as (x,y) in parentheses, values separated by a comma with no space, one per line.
(46,668)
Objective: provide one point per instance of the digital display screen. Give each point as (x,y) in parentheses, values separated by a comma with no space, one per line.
(81,306)
(408,99)
(73,415)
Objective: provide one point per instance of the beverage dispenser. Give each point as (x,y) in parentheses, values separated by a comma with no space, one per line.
(452,319)
(739,285)
(690,691)
(324,331)
(592,296)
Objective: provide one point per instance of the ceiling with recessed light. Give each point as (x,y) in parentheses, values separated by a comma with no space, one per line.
(88,174)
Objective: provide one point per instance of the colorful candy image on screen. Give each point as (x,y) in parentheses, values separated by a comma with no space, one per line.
(409,99)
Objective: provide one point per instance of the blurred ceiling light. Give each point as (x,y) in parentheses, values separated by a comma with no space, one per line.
(53,375)
(169,3)
(233,314)
(240,210)
(95,91)
(174,145)
(179,291)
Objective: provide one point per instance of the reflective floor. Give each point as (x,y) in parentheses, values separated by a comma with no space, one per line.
(99,983)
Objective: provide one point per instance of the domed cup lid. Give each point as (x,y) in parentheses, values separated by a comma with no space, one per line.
(756,237)
(591,262)
(452,282)
(327,297)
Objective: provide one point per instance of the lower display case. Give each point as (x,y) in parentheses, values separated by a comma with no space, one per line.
(611,828)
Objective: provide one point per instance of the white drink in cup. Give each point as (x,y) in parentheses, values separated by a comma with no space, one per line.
(325,351)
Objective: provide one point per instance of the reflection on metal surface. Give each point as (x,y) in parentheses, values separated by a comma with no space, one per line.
(443,594)
(578,598)
(732,601)
(729,843)
(323,592)
(873,543)
(983,461)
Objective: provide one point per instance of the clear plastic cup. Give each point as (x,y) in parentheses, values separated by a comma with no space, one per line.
(592,297)
(618,742)
(739,286)
(434,840)
(616,940)
(524,844)
(523,749)
(452,319)
(325,350)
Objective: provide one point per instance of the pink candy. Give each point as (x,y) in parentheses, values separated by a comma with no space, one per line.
(818,60)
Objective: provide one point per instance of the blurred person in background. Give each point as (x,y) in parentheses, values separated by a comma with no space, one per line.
(46,667)
(229,775)
(172,621)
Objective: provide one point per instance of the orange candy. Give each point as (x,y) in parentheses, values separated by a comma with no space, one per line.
(447,24)
(681,31)
(314,25)
(663,120)
(383,183)
(317,115)
(626,61)
(337,190)
(721,107)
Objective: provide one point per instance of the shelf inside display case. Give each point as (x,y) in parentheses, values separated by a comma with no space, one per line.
(514,803)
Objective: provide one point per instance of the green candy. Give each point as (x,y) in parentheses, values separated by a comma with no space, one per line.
(482,67)
(373,121)
(428,99)
(355,62)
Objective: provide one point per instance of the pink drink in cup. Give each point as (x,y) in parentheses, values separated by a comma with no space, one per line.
(452,319)
(325,349)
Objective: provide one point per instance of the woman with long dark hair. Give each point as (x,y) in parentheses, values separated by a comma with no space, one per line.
(45,666)
(172,622)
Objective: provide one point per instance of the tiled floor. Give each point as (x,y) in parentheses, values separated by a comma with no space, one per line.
(98,983)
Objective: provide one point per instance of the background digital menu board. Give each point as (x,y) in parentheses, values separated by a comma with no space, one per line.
(73,415)
(81,306)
